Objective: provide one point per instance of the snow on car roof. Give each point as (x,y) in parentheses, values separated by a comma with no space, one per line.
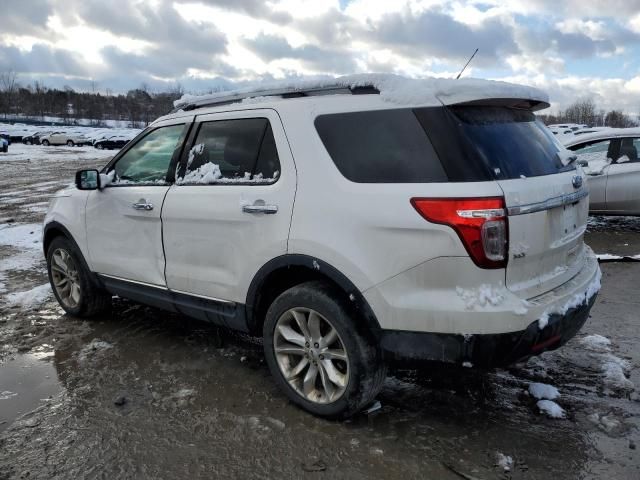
(601,135)
(392,88)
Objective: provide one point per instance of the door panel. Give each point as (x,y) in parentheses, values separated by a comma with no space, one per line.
(623,188)
(124,229)
(217,236)
(125,241)
(597,184)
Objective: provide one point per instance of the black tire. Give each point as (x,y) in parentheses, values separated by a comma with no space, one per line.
(367,370)
(45,143)
(69,143)
(5,148)
(100,146)
(93,300)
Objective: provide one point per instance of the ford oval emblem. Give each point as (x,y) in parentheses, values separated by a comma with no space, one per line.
(577,181)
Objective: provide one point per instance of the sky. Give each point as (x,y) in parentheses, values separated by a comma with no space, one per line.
(573,49)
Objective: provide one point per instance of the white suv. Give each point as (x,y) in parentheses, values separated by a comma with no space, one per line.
(350,224)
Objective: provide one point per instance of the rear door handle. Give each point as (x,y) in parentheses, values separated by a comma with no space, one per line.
(266,209)
(142,205)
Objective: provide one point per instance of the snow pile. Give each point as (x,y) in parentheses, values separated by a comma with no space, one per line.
(504,461)
(615,371)
(542,391)
(482,296)
(210,173)
(196,150)
(608,257)
(575,301)
(596,343)
(393,89)
(605,422)
(551,409)
(30,298)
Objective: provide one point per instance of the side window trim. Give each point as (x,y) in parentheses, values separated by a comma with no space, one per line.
(190,143)
(169,176)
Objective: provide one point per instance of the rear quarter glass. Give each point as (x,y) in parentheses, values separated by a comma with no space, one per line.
(439,144)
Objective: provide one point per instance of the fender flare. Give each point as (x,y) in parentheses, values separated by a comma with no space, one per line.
(321,269)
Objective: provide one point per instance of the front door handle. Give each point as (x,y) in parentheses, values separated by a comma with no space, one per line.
(266,209)
(142,205)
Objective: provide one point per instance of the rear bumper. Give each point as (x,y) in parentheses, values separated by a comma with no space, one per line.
(486,350)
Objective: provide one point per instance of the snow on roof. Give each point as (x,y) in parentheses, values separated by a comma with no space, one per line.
(392,88)
(601,135)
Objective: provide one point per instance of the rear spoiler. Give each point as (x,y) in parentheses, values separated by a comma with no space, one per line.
(532,105)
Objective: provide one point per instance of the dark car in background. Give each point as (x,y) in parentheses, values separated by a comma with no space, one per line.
(115,142)
(6,136)
(33,139)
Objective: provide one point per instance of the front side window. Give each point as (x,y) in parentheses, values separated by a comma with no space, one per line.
(232,151)
(594,156)
(628,150)
(147,162)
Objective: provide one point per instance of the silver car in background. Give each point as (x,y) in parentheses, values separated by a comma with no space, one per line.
(610,159)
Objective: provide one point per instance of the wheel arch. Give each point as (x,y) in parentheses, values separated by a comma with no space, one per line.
(55,229)
(286,271)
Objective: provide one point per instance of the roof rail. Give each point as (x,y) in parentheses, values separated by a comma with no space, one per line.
(226,98)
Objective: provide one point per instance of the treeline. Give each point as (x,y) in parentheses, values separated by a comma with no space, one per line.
(138,107)
(586,112)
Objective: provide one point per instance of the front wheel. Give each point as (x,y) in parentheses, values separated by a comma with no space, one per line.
(45,143)
(319,355)
(69,143)
(71,283)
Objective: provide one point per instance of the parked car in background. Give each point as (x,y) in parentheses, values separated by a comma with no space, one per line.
(33,138)
(4,145)
(111,143)
(62,138)
(428,247)
(5,135)
(610,159)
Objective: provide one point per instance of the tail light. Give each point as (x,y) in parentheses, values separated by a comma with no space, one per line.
(481,224)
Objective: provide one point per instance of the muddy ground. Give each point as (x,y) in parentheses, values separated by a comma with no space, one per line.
(145,394)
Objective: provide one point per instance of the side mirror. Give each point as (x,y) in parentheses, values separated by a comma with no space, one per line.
(87,179)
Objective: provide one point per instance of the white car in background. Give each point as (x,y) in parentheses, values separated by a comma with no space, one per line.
(4,145)
(63,138)
(610,159)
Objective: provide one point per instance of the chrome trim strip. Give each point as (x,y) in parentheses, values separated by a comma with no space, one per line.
(213,299)
(548,204)
(159,287)
(144,284)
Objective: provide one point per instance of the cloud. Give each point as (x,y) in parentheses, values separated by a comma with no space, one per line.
(42,60)
(435,33)
(272,47)
(25,18)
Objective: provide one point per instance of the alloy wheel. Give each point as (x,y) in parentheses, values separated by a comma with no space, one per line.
(66,280)
(311,355)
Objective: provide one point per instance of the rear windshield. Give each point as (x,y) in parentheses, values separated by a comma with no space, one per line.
(512,143)
(438,144)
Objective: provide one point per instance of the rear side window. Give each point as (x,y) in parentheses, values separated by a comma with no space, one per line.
(510,142)
(385,146)
(232,151)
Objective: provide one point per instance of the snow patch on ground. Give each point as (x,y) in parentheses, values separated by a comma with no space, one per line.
(543,391)
(504,461)
(551,409)
(615,371)
(7,395)
(30,298)
(596,343)
(94,347)
(26,238)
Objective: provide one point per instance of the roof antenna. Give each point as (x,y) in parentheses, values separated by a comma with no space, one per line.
(465,65)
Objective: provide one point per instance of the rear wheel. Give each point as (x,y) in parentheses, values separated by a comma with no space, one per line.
(45,143)
(5,148)
(69,143)
(71,282)
(100,146)
(317,354)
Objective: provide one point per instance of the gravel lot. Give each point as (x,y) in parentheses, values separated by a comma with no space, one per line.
(146,394)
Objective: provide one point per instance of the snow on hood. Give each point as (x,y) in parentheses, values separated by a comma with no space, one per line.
(394,89)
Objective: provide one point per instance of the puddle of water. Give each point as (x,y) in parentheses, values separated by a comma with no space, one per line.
(25,382)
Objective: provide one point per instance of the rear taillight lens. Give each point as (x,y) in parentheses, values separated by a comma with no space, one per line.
(481,224)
